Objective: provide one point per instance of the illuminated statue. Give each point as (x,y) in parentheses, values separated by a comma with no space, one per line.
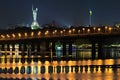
(34,13)
(35,24)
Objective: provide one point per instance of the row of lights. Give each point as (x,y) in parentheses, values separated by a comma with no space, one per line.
(83,29)
(19,35)
(55,31)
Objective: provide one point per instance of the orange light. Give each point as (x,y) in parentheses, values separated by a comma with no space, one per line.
(19,34)
(106,27)
(46,32)
(55,31)
(13,35)
(64,30)
(94,28)
(39,33)
(69,31)
(78,31)
(25,34)
(61,32)
(88,30)
(73,30)
(110,28)
(83,29)
(32,33)
(99,29)
(8,36)
(2,36)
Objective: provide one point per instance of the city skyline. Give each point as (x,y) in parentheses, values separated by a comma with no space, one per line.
(59,40)
(64,13)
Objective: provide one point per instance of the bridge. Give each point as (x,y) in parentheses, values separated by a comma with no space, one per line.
(47,42)
(24,33)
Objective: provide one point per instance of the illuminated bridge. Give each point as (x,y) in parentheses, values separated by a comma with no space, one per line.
(61,43)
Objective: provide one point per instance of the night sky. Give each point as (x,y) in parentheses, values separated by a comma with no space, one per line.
(63,12)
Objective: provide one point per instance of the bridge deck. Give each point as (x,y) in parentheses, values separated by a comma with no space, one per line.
(55,33)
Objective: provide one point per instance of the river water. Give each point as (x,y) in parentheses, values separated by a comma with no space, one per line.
(107,69)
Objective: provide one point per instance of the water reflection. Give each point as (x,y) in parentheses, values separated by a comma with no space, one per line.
(108,69)
(28,70)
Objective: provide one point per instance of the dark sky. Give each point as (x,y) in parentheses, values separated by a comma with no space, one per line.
(64,12)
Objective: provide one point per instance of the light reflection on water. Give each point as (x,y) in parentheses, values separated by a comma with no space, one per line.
(71,70)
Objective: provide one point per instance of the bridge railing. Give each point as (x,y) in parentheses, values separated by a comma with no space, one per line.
(48,33)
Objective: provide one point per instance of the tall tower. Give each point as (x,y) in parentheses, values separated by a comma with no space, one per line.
(34,24)
(90,17)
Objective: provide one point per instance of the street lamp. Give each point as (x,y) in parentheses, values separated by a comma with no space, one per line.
(19,34)
(46,33)
(99,29)
(88,30)
(78,31)
(106,27)
(39,33)
(2,36)
(25,34)
(53,32)
(32,33)
(64,31)
(8,35)
(73,30)
(61,32)
(94,29)
(83,30)
(70,31)
(110,29)
(13,35)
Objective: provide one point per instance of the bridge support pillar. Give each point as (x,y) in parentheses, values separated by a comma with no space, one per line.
(64,49)
(70,50)
(93,51)
(38,47)
(22,49)
(47,46)
(29,50)
(53,48)
(0,50)
(16,46)
(35,49)
(100,52)
(5,49)
(11,48)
